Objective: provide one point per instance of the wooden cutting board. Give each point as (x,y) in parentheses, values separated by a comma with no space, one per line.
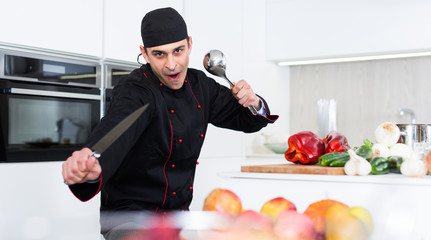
(294,169)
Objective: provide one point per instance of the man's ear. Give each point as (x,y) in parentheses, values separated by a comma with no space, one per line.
(190,44)
(144,53)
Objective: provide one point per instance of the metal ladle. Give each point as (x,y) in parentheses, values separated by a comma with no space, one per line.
(215,63)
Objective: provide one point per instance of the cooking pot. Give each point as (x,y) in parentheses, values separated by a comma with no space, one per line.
(415,135)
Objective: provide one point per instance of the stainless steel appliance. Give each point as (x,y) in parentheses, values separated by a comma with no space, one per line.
(417,136)
(113,71)
(49,103)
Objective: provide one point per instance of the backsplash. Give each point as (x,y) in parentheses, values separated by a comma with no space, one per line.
(367,93)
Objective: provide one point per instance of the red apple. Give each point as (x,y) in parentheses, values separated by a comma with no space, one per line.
(292,225)
(251,219)
(223,201)
(275,206)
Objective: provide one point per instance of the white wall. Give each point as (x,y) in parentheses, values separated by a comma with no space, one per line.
(122,26)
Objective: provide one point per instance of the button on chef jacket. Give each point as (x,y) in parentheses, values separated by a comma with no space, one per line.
(152,165)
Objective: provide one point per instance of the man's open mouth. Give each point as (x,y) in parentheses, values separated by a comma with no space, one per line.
(173,76)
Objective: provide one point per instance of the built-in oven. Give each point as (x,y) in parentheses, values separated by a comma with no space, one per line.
(49,104)
(114,71)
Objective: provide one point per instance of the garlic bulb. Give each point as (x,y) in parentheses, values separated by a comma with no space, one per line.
(356,165)
(413,167)
(387,133)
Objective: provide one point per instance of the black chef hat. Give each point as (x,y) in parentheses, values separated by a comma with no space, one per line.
(163,26)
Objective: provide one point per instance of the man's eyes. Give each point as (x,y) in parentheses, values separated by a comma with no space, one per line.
(162,54)
(158,54)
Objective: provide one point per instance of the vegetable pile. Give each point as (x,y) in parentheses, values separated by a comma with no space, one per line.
(384,156)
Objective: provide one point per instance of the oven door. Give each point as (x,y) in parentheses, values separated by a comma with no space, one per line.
(45,123)
(114,72)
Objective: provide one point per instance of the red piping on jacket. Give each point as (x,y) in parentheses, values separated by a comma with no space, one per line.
(98,189)
(164,167)
(203,125)
(203,116)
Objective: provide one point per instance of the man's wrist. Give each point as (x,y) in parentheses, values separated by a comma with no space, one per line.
(94,181)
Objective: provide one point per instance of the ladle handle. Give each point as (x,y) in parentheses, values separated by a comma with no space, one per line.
(227,79)
(251,108)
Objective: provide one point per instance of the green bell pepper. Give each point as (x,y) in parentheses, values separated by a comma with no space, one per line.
(334,159)
(379,165)
(395,164)
(339,159)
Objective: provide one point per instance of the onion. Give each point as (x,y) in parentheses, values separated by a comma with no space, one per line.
(380,150)
(387,133)
(401,150)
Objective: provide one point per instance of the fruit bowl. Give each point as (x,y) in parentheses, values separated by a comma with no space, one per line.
(279,148)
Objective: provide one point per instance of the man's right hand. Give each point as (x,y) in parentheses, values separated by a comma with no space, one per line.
(80,167)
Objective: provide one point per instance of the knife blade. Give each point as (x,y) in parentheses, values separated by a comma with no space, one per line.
(116,132)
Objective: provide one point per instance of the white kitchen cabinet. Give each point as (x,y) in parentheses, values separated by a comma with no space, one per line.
(313,29)
(71,26)
(122,34)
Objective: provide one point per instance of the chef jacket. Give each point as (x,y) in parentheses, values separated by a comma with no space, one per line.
(152,165)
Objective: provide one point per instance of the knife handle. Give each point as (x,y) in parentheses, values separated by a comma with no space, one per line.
(95,154)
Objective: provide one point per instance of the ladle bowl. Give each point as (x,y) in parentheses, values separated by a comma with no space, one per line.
(215,63)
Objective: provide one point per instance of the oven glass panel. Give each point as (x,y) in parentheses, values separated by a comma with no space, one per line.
(49,71)
(44,128)
(117,74)
(41,122)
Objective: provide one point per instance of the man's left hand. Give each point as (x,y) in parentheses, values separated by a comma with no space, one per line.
(245,95)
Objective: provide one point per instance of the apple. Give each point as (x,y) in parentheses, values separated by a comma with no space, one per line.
(340,223)
(364,215)
(251,219)
(223,201)
(275,206)
(316,211)
(160,227)
(292,225)
(153,233)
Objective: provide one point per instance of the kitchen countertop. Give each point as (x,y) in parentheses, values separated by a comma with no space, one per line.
(270,158)
(386,179)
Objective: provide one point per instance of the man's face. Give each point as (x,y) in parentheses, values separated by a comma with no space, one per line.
(169,62)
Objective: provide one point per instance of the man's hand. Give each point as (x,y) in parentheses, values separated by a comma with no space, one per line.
(245,95)
(80,167)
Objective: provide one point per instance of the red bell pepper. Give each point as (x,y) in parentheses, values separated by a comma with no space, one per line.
(335,142)
(304,148)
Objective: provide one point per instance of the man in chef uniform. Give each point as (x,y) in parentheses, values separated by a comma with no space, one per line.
(151,167)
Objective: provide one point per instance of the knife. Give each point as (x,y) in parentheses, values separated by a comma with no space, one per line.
(116,132)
